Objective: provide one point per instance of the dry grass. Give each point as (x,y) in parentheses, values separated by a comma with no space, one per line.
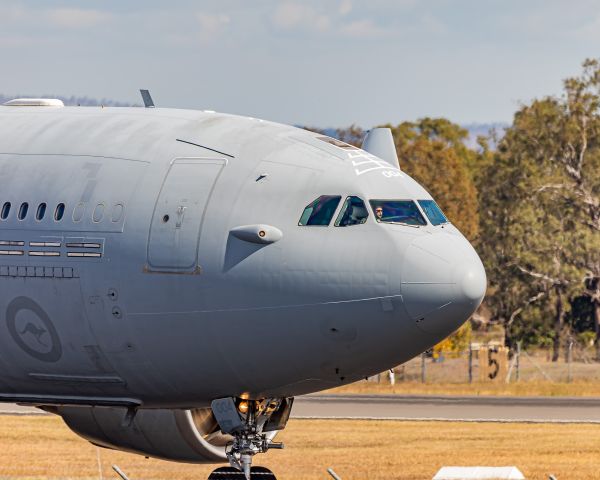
(43,448)
(532,388)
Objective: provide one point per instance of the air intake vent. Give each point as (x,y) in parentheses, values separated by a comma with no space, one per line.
(34,102)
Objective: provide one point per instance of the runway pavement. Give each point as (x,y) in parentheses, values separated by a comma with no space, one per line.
(450,408)
(439,408)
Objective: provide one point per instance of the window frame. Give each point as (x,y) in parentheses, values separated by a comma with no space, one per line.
(42,208)
(62,211)
(337,206)
(5,211)
(446,222)
(23,211)
(414,202)
(339,213)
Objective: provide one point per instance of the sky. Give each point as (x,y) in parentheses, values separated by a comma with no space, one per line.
(324,63)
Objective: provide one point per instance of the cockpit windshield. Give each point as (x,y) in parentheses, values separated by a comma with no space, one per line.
(433,212)
(354,212)
(397,211)
(320,211)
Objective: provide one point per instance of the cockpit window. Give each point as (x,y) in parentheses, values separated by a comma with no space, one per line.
(354,212)
(433,212)
(320,211)
(397,211)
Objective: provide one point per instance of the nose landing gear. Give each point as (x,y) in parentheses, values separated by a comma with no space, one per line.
(252,424)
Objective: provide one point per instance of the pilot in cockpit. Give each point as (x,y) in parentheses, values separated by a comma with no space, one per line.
(379,213)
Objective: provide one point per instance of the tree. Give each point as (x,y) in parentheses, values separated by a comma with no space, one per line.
(540,197)
(354,135)
(580,163)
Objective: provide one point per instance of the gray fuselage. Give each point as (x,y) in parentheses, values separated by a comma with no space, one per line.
(132,286)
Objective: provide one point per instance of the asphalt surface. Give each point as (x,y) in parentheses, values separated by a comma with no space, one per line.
(450,408)
(438,408)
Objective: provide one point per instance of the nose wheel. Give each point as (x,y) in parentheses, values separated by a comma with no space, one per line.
(230,473)
(252,424)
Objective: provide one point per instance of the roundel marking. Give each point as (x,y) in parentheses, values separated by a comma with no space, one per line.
(32,330)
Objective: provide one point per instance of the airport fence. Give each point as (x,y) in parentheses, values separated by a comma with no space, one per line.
(496,363)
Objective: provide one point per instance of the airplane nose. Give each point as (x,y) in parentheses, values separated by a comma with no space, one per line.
(471,281)
(443,282)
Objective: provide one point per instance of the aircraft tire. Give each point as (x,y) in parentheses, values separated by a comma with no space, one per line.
(230,473)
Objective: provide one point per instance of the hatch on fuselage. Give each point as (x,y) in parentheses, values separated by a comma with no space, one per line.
(178,214)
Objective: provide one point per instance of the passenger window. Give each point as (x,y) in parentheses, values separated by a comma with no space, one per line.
(433,212)
(320,211)
(354,212)
(59,212)
(98,214)
(5,211)
(23,211)
(78,212)
(41,211)
(117,212)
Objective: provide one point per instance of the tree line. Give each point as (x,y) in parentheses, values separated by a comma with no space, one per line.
(529,200)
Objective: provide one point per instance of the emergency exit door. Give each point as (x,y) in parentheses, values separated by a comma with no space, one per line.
(179,212)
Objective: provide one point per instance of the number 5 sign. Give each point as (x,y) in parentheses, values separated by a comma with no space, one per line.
(492,363)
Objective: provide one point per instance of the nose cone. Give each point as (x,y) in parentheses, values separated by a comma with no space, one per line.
(443,282)
(471,281)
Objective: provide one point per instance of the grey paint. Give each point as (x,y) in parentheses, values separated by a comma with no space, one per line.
(173,314)
(177,219)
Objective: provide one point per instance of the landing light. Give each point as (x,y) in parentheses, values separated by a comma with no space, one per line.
(243,406)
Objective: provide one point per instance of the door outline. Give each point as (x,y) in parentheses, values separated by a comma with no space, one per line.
(195,268)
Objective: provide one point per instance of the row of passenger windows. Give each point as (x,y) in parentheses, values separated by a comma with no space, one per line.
(100,212)
(40,213)
(354,212)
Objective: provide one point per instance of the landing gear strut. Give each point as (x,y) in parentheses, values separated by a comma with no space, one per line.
(252,424)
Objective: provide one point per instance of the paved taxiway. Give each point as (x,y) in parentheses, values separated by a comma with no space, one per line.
(440,408)
(450,408)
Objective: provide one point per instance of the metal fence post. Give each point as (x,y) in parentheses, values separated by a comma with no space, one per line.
(518,363)
(423,367)
(470,362)
(569,360)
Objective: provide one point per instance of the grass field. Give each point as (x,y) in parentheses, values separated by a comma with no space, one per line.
(530,388)
(43,448)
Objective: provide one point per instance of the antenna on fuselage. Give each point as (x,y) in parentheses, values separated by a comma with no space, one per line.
(147,98)
(380,142)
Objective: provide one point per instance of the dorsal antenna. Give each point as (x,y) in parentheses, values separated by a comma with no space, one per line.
(147,98)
